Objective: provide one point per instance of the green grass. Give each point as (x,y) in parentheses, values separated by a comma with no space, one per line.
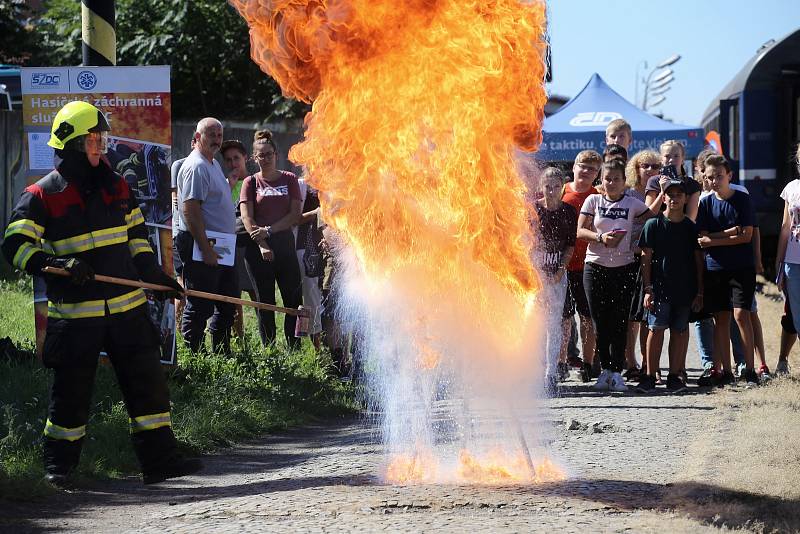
(216,401)
(16,310)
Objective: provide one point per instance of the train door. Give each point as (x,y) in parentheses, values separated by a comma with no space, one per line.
(788,122)
(787,135)
(729,132)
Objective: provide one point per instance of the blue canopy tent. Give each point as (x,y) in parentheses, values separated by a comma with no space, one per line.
(581,125)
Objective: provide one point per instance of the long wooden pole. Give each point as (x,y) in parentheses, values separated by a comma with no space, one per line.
(189,292)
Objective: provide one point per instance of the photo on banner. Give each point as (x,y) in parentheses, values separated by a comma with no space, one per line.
(137,103)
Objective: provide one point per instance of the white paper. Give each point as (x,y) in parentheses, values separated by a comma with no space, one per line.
(40,156)
(223,244)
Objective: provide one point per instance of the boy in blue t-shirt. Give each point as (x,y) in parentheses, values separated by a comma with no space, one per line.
(672,275)
(725,221)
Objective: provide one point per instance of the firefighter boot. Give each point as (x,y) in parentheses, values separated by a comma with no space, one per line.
(173,467)
(60,460)
(158,455)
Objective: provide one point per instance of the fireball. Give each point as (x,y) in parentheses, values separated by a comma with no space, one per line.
(420,109)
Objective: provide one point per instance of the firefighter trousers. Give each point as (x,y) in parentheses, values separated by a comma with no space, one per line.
(132,345)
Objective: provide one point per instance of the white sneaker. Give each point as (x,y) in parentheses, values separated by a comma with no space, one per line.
(603,381)
(739,370)
(617,383)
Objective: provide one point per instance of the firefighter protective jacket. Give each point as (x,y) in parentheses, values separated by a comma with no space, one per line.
(96,221)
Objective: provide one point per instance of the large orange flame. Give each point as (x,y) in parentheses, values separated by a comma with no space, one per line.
(417,109)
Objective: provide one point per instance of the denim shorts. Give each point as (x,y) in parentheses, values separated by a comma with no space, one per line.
(791,273)
(666,315)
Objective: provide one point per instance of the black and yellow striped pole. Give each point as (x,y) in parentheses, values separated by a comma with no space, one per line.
(98,32)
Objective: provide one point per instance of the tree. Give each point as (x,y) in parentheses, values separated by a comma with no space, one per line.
(205,41)
(18,42)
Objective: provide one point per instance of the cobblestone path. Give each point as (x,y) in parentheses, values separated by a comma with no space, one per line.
(635,463)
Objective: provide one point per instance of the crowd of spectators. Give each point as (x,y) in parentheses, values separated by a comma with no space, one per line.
(271,218)
(634,245)
(637,247)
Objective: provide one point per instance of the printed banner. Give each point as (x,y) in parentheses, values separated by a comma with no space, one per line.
(137,103)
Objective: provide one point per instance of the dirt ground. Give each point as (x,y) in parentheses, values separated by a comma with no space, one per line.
(693,462)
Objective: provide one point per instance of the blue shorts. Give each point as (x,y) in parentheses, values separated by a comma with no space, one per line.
(666,315)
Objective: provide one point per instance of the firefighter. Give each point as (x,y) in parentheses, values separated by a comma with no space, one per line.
(83,218)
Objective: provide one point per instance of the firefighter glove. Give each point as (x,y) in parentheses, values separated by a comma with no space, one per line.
(157,276)
(79,271)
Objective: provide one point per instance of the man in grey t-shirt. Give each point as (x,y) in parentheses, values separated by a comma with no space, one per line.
(204,203)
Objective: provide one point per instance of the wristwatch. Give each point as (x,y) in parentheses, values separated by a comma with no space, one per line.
(599,237)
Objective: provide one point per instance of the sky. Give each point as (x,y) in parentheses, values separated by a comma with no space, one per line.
(612,37)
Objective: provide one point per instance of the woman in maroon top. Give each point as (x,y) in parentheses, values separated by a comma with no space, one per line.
(271,204)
